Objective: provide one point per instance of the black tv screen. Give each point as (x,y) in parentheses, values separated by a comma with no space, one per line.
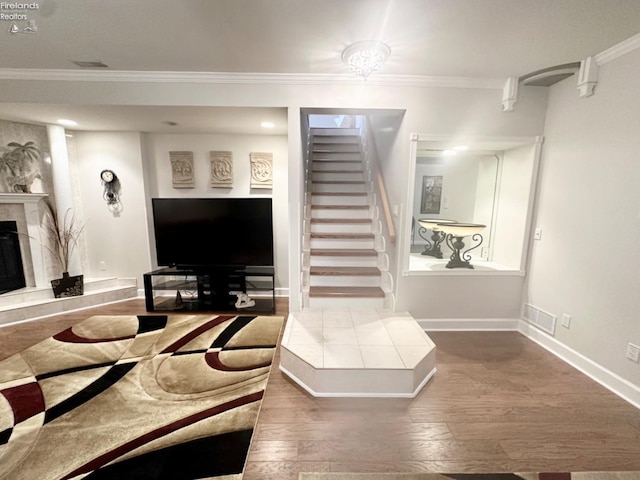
(213,232)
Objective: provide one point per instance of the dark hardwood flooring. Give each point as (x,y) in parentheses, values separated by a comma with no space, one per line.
(498,403)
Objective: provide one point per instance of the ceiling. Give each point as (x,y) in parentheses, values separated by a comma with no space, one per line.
(442,38)
(152,119)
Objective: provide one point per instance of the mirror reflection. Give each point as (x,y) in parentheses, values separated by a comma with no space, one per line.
(452,189)
(470,204)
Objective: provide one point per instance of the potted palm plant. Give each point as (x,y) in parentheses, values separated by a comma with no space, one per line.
(63,235)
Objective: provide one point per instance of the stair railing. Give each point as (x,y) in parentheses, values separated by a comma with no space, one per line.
(372,158)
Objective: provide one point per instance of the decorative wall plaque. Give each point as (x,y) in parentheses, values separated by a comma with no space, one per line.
(261,170)
(221,169)
(182,169)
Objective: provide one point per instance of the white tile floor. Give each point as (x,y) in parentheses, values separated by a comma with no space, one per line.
(330,346)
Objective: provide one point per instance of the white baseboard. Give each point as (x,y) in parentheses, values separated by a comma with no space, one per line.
(282,292)
(608,379)
(611,381)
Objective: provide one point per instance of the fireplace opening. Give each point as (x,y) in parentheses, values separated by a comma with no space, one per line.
(11,268)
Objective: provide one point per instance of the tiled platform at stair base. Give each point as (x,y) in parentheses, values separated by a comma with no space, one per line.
(28,303)
(357,352)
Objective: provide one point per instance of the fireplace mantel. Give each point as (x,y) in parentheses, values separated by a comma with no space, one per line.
(22,197)
(30,203)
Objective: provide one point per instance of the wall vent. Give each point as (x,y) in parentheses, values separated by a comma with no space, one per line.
(539,318)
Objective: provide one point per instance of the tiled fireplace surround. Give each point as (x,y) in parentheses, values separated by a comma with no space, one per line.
(23,209)
(36,300)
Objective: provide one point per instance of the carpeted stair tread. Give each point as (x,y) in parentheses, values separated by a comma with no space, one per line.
(346,292)
(339,182)
(351,271)
(333,160)
(335,150)
(344,252)
(341,220)
(337,171)
(340,194)
(344,236)
(339,207)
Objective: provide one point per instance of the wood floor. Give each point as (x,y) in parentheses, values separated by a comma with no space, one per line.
(498,403)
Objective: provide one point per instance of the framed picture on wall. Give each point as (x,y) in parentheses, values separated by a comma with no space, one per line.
(431,194)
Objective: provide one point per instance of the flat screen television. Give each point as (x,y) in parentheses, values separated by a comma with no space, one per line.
(213,232)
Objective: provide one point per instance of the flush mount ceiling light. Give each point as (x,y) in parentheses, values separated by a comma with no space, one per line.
(365,57)
(67,123)
(268,125)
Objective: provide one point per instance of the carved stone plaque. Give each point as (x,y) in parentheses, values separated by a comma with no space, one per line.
(261,170)
(221,169)
(182,169)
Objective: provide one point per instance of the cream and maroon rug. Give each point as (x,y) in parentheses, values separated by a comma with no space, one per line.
(136,397)
(473,476)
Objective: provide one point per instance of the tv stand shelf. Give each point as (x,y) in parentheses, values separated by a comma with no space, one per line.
(209,289)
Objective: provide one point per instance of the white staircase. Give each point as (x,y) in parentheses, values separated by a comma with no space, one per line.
(343,251)
(347,341)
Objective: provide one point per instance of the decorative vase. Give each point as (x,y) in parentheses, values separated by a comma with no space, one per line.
(68,286)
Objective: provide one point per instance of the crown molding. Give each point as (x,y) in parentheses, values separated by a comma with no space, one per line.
(618,50)
(246,78)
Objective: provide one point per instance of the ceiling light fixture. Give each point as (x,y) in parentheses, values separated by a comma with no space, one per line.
(365,57)
(67,123)
(268,125)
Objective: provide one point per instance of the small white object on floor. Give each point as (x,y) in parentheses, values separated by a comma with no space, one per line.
(244,301)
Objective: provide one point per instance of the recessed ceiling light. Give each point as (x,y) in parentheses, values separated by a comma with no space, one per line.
(449,153)
(461,148)
(67,123)
(267,125)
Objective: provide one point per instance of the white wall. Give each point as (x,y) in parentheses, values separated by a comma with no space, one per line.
(120,241)
(429,110)
(158,171)
(513,200)
(587,263)
(459,188)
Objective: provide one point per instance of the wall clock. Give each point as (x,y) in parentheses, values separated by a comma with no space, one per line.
(111,186)
(107,176)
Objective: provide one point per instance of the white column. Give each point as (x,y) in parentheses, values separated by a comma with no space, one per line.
(62,183)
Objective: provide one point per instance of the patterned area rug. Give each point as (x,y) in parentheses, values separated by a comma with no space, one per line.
(136,397)
(473,476)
